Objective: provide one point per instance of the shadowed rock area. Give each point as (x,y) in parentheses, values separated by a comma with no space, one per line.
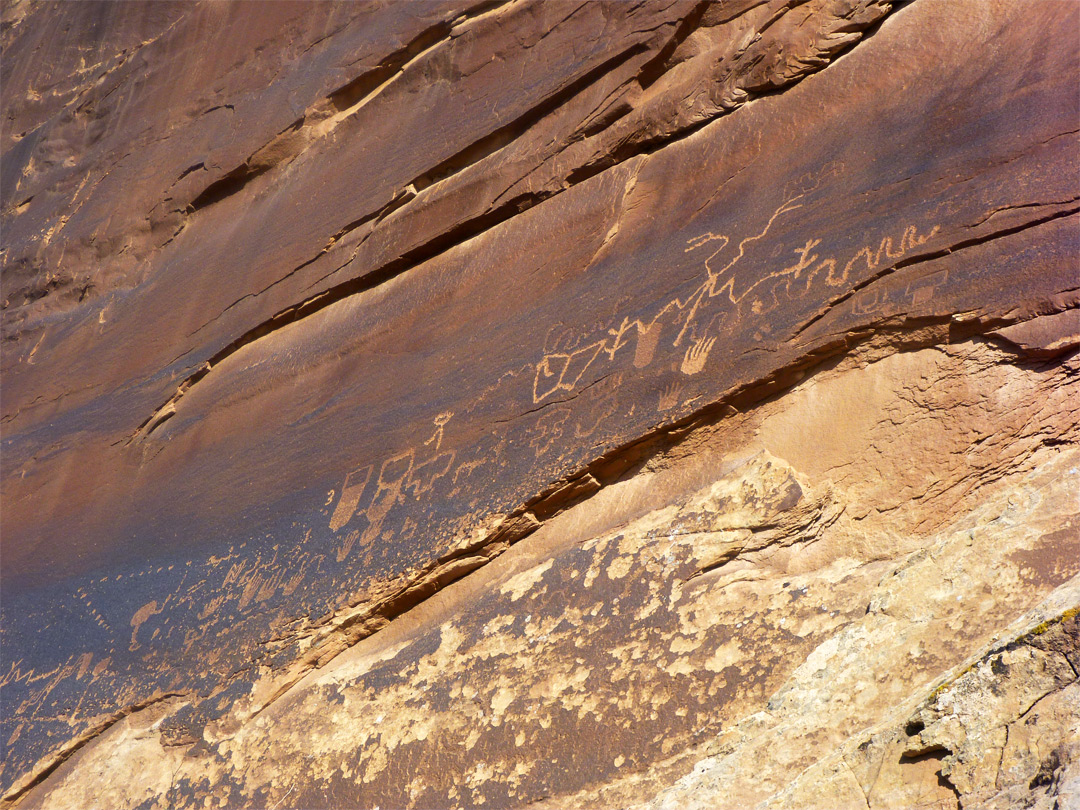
(540,403)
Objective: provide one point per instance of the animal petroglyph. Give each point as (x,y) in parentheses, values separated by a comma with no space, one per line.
(922,290)
(547,430)
(724,281)
(712,286)
(139,619)
(422,476)
(569,368)
(919,291)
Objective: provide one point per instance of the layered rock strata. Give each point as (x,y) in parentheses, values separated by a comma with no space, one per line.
(541,403)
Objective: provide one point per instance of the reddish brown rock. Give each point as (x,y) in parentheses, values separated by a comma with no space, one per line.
(501,403)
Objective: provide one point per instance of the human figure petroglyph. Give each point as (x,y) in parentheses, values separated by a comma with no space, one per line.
(440,423)
(685,321)
(564,370)
(398,475)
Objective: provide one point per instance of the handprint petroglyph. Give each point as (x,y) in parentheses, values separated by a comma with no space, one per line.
(695,357)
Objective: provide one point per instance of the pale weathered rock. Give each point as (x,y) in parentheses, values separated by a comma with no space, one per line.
(541,403)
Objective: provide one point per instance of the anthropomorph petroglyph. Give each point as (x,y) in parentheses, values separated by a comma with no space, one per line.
(731,279)
(413,471)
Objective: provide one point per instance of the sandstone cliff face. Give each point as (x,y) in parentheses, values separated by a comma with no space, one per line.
(547,404)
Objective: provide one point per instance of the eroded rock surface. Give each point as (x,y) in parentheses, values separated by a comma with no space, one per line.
(546,404)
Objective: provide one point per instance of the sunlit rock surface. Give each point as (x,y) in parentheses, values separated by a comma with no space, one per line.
(549,404)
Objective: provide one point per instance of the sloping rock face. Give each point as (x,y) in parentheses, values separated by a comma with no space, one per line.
(555,404)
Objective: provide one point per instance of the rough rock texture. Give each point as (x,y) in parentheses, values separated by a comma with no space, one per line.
(555,404)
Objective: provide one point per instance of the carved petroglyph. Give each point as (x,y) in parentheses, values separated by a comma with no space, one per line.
(646,345)
(548,430)
(351,490)
(260,581)
(917,292)
(191,612)
(346,547)
(696,355)
(648,338)
(669,396)
(753,292)
(712,286)
(604,408)
(922,290)
(566,369)
(77,666)
(423,476)
(83,597)
(467,468)
(411,471)
(869,302)
(909,240)
(440,423)
(735,276)
(139,619)
(389,489)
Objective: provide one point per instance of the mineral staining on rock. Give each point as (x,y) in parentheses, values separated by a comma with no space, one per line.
(559,404)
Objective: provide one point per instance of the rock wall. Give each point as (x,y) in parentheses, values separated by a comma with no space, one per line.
(555,404)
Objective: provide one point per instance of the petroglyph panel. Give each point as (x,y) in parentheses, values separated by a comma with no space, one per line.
(285,359)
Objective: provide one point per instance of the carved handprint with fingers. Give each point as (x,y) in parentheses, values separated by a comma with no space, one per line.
(696,355)
(669,396)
